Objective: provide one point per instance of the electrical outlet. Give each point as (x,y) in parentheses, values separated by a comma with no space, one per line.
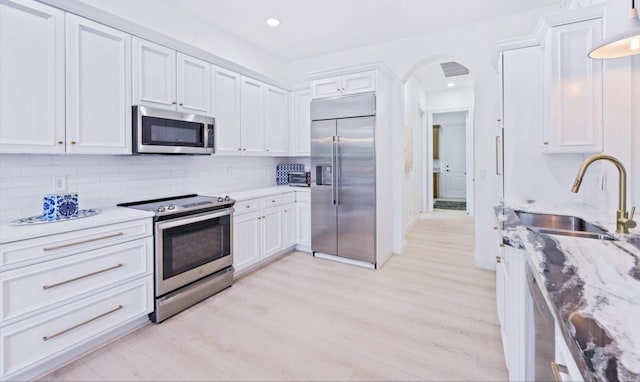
(59,183)
(265,170)
(229,171)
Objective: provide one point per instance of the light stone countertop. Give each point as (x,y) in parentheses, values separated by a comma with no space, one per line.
(111,215)
(593,287)
(261,192)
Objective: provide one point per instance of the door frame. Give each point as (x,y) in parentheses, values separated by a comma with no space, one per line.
(427,157)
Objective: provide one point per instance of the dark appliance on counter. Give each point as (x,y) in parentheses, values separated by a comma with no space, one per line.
(158,131)
(299,179)
(193,238)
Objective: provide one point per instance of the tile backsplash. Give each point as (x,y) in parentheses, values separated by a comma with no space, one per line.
(103,181)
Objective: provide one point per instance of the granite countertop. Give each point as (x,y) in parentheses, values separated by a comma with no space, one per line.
(592,286)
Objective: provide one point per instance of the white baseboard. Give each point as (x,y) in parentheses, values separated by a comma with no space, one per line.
(344,260)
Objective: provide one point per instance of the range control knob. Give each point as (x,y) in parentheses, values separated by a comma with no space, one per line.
(227,198)
(161,209)
(220,199)
(171,207)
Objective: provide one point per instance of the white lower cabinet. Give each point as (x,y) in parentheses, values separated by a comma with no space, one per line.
(262,228)
(96,285)
(303,221)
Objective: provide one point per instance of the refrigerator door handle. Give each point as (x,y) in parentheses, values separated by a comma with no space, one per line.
(333,170)
(336,171)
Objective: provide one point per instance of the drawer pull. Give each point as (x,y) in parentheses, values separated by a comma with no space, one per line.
(82,242)
(556,369)
(80,277)
(47,338)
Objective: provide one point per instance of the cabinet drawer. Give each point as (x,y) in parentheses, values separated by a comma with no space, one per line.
(29,289)
(26,344)
(276,200)
(26,252)
(247,206)
(303,197)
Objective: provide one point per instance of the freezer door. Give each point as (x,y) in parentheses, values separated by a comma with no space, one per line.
(323,209)
(356,186)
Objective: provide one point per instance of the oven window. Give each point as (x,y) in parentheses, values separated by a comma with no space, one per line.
(189,246)
(168,132)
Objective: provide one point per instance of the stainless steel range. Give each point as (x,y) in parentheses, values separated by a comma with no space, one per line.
(193,249)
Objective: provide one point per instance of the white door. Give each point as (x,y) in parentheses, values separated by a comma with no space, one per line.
(32,94)
(154,75)
(454,158)
(193,85)
(326,87)
(272,231)
(358,83)
(252,120)
(98,88)
(247,240)
(225,88)
(301,122)
(289,225)
(277,121)
(303,224)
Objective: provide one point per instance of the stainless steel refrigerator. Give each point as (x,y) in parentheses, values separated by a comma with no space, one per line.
(343,184)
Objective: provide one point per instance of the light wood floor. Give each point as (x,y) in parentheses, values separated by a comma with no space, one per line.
(426,315)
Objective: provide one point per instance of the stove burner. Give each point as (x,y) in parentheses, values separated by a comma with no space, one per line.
(186,204)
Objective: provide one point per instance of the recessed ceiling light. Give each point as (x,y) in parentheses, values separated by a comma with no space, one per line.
(273,22)
(451,84)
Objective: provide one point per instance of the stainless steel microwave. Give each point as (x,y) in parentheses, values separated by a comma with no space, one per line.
(158,131)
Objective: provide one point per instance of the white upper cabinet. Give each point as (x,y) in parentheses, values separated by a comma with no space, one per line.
(194,85)
(98,78)
(167,79)
(301,122)
(154,70)
(277,121)
(573,121)
(32,94)
(252,116)
(225,86)
(354,83)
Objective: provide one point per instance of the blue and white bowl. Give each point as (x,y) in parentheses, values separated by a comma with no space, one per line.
(56,206)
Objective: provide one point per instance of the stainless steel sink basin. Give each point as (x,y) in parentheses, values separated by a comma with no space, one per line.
(562,225)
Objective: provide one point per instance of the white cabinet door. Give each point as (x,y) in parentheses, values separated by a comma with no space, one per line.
(225,86)
(301,122)
(289,225)
(247,240)
(573,89)
(277,121)
(358,83)
(252,119)
(193,84)
(272,231)
(303,225)
(154,74)
(32,94)
(326,87)
(98,88)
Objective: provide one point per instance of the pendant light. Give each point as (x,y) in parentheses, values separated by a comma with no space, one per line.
(624,44)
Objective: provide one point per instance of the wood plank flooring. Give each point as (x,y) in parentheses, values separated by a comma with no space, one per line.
(428,314)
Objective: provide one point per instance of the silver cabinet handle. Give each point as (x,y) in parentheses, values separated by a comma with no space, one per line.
(333,170)
(556,369)
(45,287)
(47,338)
(497,155)
(337,169)
(81,242)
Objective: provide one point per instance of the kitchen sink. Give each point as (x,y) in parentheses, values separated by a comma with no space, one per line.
(562,225)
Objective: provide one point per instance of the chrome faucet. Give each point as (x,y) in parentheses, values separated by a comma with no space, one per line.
(623,220)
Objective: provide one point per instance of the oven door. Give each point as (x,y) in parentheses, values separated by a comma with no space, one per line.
(192,247)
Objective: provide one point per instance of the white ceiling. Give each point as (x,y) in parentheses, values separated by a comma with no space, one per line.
(311,28)
(432,78)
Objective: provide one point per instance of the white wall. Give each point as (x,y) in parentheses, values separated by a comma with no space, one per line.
(106,180)
(165,18)
(474,45)
(414,100)
(450,99)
